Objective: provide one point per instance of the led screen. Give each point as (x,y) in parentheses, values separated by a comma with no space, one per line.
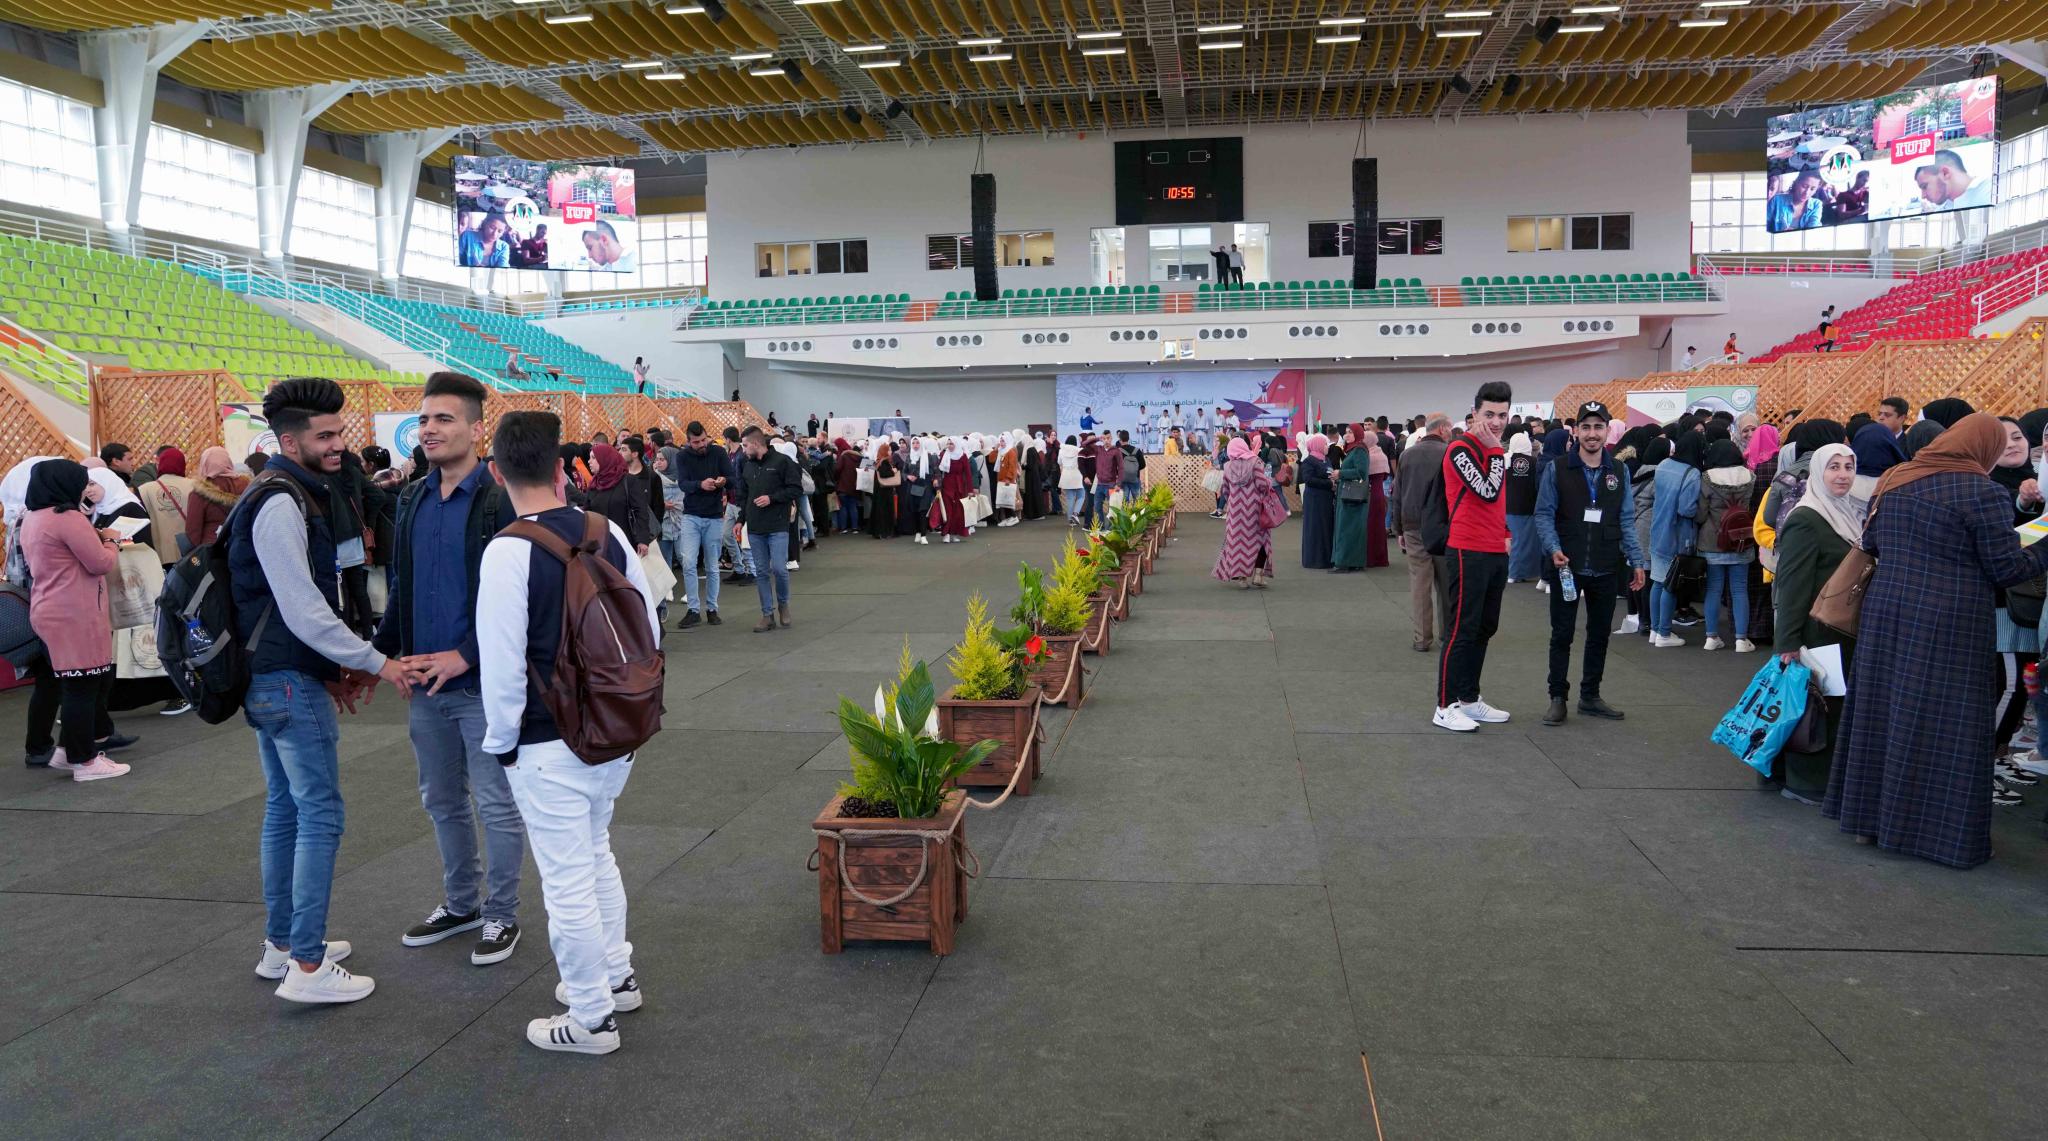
(1924,151)
(514,214)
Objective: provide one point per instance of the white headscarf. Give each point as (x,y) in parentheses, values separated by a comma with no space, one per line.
(785,447)
(114,493)
(955,451)
(1520,445)
(1845,513)
(14,489)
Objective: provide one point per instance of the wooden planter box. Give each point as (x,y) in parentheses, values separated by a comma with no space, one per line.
(1014,723)
(1150,549)
(880,867)
(1060,677)
(1101,611)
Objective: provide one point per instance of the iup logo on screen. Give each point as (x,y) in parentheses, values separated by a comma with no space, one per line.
(1912,147)
(574,212)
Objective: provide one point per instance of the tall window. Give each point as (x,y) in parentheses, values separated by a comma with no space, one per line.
(1180,253)
(199,187)
(1013,249)
(46,151)
(801,259)
(334,220)
(2022,181)
(672,251)
(430,245)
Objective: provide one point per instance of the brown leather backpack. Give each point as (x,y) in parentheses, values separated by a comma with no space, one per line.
(605,693)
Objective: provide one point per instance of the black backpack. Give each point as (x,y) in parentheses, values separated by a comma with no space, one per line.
(208,664)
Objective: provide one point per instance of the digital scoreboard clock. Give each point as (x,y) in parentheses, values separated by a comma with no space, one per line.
(1171,181)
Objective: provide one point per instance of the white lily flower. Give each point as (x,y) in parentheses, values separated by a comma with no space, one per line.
(931,724)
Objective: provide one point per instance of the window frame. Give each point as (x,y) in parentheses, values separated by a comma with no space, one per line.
(962,246)
(843,247)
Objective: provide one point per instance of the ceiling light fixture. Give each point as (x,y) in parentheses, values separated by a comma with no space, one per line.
(981,42)
(1575,29)
(990,57)
(749,57)
(1469,14)
(666,76)
(1220,45)
(639,64)
(881,64)
(1708,22)
(766,72)
(685,9)
(1102,51)
(1350,39)
(1458,33)
(568,18)
(862,49)
(1207,29)
(1594,9)
(1340,21)
(806,3)
(1098,35)
(1724,3)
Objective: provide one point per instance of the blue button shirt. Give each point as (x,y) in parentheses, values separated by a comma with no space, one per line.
(441,615)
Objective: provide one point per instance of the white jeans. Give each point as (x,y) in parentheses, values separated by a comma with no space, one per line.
(567,806)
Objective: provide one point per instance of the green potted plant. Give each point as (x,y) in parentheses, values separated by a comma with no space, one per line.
(993,698)
(1081,569)
(890,843)
(1061,623)
(1030,596)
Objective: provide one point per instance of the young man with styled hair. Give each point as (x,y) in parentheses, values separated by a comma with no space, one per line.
(304,661)
(1475,559)
(566,802)
(443,523)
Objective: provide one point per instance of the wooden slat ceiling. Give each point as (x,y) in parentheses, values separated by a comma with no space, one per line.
(1750,32)
(619,32)
(296,61)
(775,129)
(1617,91)
(425,108)
(96,15)
(564,143)
(1849,81)
(633,93)
(1940,22)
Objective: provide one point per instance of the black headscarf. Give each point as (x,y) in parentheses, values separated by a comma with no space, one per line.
(2032,423)
(1715,431)
(1723,453)
(1877,451)
(1810,436)
(419,465)
(1691,450)
(57,484)
(1947,410)
(2010,478)
(1655,452)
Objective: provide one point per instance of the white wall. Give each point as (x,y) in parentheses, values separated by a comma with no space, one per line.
(964,405)
(1474,175)
(620,335)
(1769,309)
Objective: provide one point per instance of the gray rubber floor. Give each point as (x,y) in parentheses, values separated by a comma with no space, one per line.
(1257,895)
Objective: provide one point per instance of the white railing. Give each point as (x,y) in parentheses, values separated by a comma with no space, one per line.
(2014,291)
(1724,358)
(1997,246)
(1357,303)
(75,383)
(297,296)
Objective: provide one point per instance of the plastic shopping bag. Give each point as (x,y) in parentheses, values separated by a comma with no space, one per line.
(1756,729)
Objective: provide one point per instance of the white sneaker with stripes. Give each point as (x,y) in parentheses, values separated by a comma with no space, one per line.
(563,1033)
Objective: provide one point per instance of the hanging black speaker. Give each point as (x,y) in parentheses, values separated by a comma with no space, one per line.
(714,9)
(1510,86)
(895,109)
(981,195)
(1547,29)
(1461,85)
(1365,222)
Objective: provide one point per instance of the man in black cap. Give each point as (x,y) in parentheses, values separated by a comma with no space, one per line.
(1585,519)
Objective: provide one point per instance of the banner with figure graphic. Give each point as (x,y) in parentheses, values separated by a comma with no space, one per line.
(1148,404)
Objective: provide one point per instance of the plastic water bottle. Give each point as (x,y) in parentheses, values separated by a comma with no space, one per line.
(197,640)
(1567,586)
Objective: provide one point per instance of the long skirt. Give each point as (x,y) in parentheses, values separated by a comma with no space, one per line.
(1247,545)
(949,514)
(1031,495)
(1318,527)
(1376,524)
(882,512)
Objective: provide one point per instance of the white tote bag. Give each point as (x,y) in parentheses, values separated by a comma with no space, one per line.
(1006,495)
(864,479)
(660,578)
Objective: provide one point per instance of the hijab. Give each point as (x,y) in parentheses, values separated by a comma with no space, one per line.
(1376,462)
(1691,450)
(115,492)
(1319,446)
(1655,452)
(1947,411)
(14,488)
(1972,444)
(1763,445)
(1239,450)
(2012,476)
(1846,512)
(58,484)
(1877,450)
(2032,423)
(1518,444)
(611,467)
(1723,455)
(1556,442)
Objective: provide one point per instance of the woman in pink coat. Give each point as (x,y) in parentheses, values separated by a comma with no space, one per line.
(1247,554)
(67,607)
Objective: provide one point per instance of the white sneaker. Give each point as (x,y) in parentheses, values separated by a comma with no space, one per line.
(626,996)
(792,565)
(2031,762)
(1542,586)
(567,1035)
(330,983)
(1631,624)
(1665,641)
(1713,642)
(1744,646)
(99,768)
(1453,718)
(922,541)
(275,963)
(1483,713)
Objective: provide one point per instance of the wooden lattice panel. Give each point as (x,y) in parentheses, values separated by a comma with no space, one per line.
(363,400)
(1570,397)
(722,414)
(1920,371)
(146,410)
(407,396)
(630,413)
(504,402)
(1184,475)
(2012,378)
(25,431)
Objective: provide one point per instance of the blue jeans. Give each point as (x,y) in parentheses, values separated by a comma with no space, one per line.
(1098,504)
(803,518)
(742,562)
(846,516)
(1526,550)
(1736,576)
(1132,490)
(1075,496)
(771,564)
(698,549)
(296,739)
(447,731)
(1663,604)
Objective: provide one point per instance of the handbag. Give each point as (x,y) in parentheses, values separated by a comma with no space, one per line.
(661,579)
(1354,491)
(1688,577)
(1212,480)
(1839,605)
(1810,735)
(864,479)
(2023,601)
(1273,510)
(137,579)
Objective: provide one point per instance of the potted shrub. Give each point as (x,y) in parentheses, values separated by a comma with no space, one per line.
(994,699)
(1114,572)
(1060,623)
(891,843)
(1079,569)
